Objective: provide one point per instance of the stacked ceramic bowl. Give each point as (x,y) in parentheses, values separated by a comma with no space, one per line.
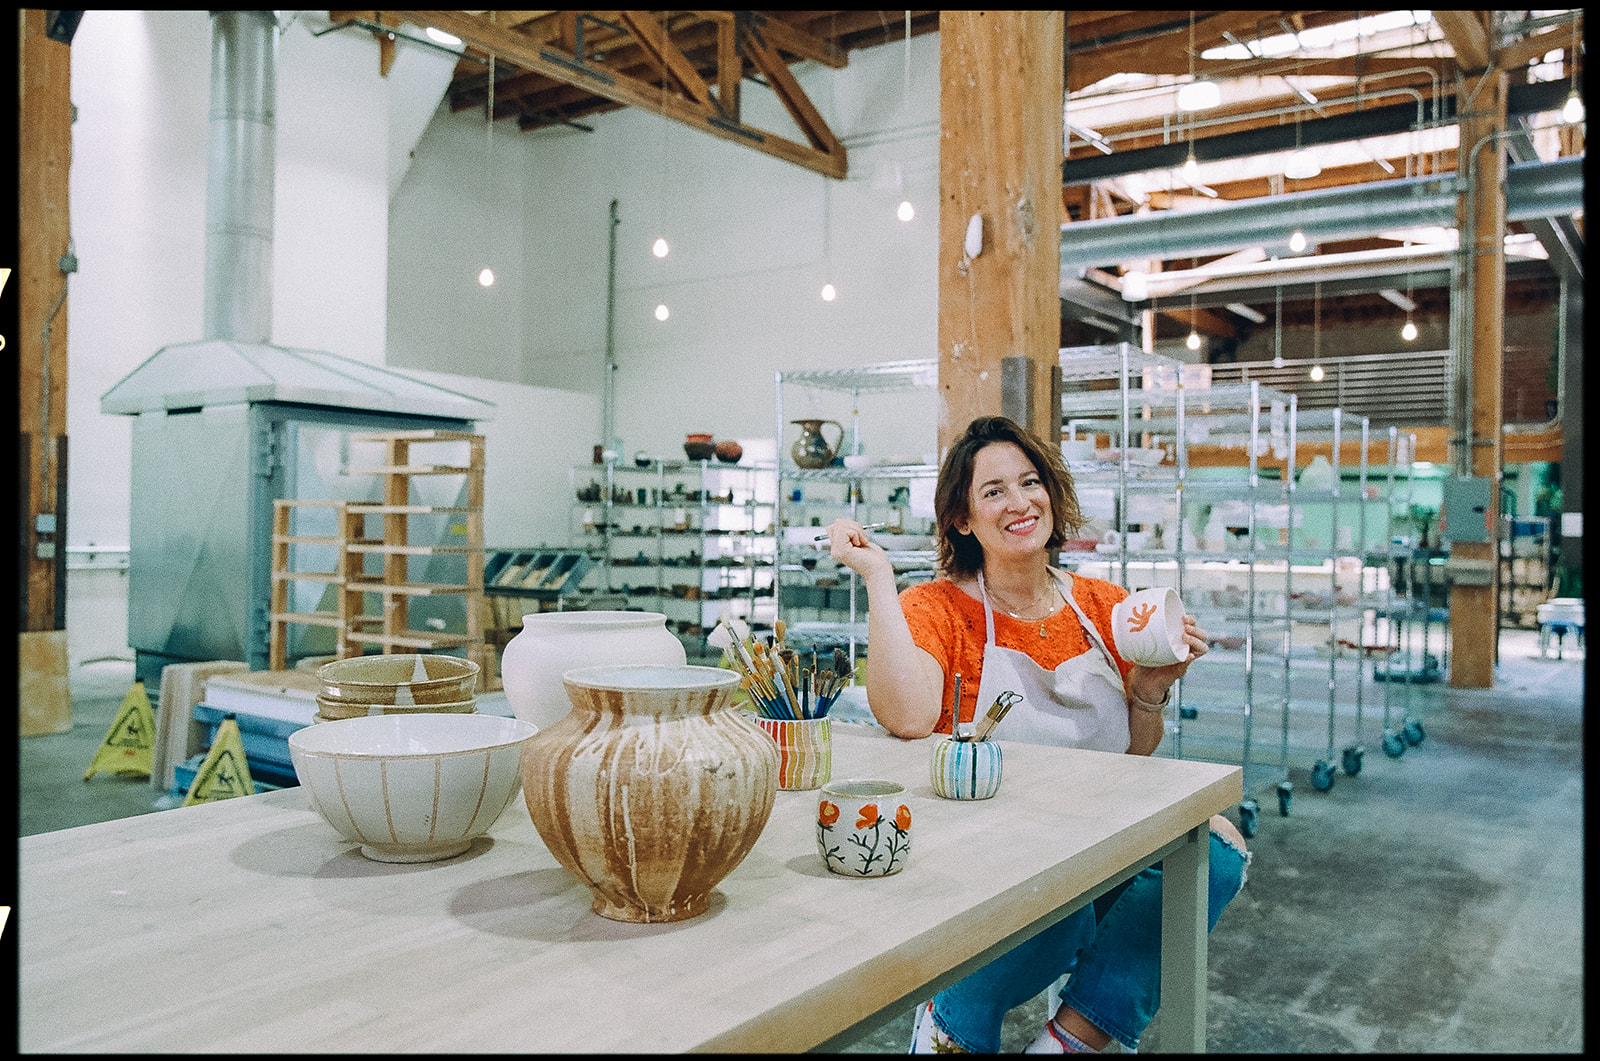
(399,684)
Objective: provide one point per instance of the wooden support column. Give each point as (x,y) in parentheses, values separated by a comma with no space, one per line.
(1474,613)
(44,154)
(1000,91)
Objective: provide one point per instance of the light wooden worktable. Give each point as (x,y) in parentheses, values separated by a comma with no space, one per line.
(248,925)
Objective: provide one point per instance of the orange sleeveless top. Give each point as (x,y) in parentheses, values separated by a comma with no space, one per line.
(948,624)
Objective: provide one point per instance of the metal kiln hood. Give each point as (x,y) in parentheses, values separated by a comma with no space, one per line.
(228,371)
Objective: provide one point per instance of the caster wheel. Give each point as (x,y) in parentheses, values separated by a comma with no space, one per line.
(1393,746)
(1352,760)
(1248,810)
(1189,712)
(1285,794)
(1412,732)
(1322,775)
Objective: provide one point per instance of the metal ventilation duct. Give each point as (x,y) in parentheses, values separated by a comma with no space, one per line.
(1533,190)
(241,162)
(224,426)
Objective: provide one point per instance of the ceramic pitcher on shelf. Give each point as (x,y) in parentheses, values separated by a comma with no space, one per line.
(812,449)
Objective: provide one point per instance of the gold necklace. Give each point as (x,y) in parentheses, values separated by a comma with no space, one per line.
(1022,618)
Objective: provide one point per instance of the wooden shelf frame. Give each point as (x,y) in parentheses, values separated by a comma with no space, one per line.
(394,586)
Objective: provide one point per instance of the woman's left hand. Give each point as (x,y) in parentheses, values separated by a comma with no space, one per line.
(1151,683)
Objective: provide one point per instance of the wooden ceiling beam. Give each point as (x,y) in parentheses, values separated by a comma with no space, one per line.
(1520,53)
(552,63)
(1468,35)
(798,42)
(666,57)
(789,93)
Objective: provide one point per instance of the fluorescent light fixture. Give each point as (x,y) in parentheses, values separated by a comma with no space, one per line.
(1398,299)
(1199,96)
(441,37)
(1302,165)
(1246,312)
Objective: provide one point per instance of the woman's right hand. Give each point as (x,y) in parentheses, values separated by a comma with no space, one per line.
(849,544)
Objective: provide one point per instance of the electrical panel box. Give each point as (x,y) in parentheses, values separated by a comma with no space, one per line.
(1464,514)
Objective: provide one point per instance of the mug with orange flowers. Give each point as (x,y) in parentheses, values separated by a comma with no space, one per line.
(864,827)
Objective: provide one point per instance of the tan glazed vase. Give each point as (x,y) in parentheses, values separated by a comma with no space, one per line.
(652,789)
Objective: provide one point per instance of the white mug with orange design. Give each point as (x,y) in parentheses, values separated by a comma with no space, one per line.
(1148,627)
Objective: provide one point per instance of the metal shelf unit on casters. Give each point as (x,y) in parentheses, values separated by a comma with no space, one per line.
(400,543)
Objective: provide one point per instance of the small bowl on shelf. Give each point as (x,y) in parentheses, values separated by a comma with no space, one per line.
(699,447)
(857,461)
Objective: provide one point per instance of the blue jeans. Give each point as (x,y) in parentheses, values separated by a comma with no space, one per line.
(1112,948)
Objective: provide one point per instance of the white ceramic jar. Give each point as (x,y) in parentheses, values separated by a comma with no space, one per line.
(552,643)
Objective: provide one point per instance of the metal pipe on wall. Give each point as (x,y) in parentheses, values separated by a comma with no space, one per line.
(240,168)
(1533,189)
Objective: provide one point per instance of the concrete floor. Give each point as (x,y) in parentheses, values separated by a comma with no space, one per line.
(1432,903)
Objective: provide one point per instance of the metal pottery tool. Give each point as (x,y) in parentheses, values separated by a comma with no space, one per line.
(868,527)
(955,712)
(997,711)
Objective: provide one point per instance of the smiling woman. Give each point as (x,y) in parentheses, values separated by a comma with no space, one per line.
(1040,641)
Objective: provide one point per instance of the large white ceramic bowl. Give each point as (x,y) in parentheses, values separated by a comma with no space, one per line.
(414,787)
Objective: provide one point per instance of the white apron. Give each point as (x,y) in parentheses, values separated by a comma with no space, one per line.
(1080,704)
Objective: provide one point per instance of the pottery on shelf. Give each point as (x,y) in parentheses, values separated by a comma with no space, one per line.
(652,789)
(811,450)
(728,451)
(698,447)
(552,643)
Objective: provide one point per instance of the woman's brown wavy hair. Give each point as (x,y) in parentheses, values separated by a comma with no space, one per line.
(960,554)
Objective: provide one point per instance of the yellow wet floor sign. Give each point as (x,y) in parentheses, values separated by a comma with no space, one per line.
(126,749)
(224,773)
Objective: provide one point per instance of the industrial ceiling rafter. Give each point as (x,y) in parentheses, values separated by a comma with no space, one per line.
(685,94)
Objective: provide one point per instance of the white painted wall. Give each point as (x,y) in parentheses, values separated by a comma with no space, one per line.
(749,256)
(381,232)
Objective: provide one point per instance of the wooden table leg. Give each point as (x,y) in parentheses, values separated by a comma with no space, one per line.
(1185,878)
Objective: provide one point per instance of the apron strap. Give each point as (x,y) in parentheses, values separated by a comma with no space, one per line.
(1088,627)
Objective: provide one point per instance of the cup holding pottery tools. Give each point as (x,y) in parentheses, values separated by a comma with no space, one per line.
(1148,627)
(969,766)
(966,769)
(864,827)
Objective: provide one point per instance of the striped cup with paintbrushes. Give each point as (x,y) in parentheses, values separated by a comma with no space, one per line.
(778,683)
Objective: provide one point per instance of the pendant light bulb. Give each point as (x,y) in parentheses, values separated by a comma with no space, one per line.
(1191,169)
(662,313)
(1193,342)
(486,277)
(659,248)
(906,211)
(1316,373)
(1409,332)
(828,293)
(1297,241)
(1573,112)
